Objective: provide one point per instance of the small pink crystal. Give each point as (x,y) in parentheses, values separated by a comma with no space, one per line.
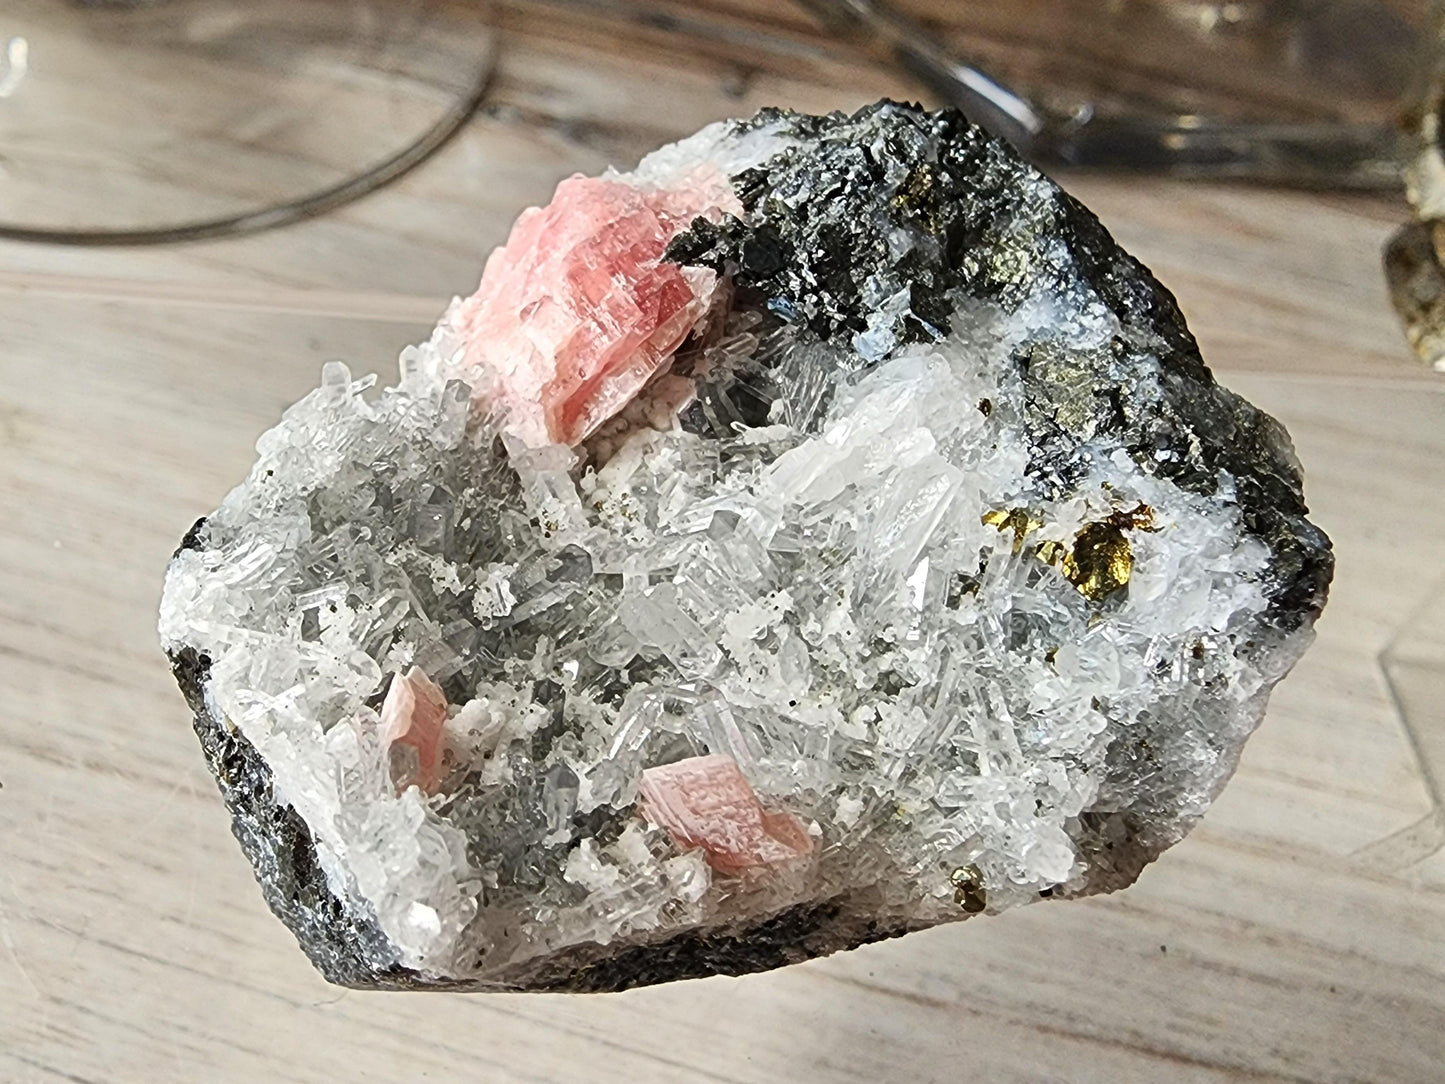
(707,802)
(413,714)
(578,310)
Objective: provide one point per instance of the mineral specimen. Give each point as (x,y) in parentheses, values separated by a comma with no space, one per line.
(822,532)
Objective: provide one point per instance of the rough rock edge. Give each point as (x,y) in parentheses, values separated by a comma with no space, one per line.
(777,254)
(349,949)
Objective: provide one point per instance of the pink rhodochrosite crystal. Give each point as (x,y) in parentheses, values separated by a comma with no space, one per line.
(707,802)
(413,714)
(577,311)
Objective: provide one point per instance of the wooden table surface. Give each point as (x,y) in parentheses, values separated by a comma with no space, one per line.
(1298,934)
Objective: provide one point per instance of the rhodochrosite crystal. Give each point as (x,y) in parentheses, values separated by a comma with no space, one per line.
(822,532)
(578,311)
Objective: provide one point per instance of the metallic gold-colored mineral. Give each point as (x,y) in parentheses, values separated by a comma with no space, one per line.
(1100,559)
(1017,520)
(1100,562)
(968,889)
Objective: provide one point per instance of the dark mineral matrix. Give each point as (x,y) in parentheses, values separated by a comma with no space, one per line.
(821,532)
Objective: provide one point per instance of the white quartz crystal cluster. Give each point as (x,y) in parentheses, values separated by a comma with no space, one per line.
(865,600)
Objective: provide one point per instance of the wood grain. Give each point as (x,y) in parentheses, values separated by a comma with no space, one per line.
(1297,935)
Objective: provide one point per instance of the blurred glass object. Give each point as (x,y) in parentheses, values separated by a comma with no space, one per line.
(1415,255)
(131,121)
(125,121)
(1300,92)
(1414,667)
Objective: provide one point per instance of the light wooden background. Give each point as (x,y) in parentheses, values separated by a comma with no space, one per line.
(1298,934)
